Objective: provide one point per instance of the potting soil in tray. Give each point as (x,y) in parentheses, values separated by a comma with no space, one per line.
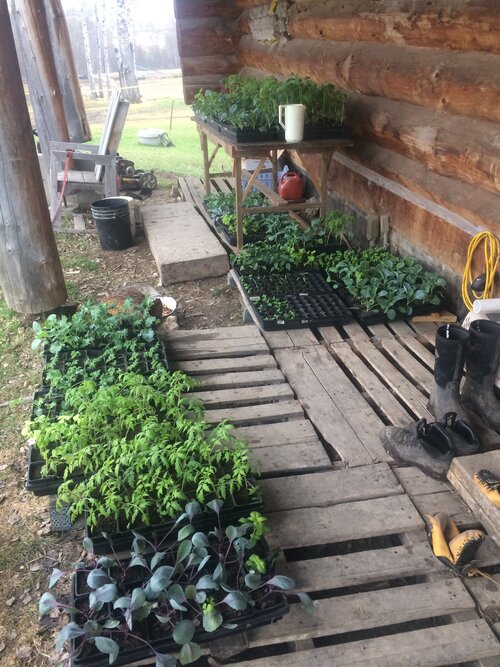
(285,284)
(313,310)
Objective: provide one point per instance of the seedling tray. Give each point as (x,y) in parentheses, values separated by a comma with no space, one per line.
(244,136)
(285,284)
(92,658)
(231,238)
(122,539)
(368,317)
(42,486)
(314,310)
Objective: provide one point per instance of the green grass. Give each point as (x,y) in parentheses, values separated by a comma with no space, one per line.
(182,159)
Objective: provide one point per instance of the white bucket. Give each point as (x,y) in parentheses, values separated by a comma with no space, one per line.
(291,118)
(150,137)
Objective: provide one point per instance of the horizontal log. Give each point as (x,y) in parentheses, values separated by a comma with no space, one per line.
(190,90)
(467,25)
(245,4)
(218,64)
(206,37)
(426,226)
(467,84)
(464,148)
(477,206)
(221,9)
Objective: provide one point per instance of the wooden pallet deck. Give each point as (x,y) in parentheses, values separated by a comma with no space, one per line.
(310,405)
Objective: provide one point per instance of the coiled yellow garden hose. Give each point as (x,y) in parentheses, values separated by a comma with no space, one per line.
(491,251)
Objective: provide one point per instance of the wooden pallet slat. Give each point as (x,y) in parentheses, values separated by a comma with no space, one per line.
(243,395)
(200,367)
(372,386)
(347,521)
(298,431)
(430,647)
(204,350)
(256,414)
(241,379)
(330,488)
(291,458)
(361,611)
(333,404)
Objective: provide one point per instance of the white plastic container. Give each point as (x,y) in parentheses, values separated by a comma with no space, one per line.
(291,119)
(150,137)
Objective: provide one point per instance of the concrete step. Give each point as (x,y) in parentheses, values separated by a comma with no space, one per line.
(182,245)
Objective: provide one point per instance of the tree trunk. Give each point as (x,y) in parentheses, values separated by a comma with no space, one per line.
(74,108)
(30,270)
(45,92)
(99,48)
(88,60)
(105,45)
(125,53)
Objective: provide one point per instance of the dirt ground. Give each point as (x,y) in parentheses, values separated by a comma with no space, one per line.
(28,550)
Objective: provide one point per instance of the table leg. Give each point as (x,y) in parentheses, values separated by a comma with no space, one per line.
(325,162)
(274,160)
(239,203)
(206,162)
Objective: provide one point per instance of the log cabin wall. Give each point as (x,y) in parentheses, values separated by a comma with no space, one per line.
(423,85)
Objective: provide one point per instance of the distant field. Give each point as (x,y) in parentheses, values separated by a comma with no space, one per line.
(155,111)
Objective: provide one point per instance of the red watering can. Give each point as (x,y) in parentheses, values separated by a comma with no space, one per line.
(291,186)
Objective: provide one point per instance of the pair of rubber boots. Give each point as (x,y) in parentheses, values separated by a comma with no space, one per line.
(432,446)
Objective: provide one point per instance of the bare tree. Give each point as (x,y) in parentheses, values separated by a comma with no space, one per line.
(103,9)
(125,52)
(98,34)
(86,45)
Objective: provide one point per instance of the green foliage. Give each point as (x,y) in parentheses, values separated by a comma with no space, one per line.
(219,576)
(253,103)
(143,448)
(274,308)
(94,326)
(383,282)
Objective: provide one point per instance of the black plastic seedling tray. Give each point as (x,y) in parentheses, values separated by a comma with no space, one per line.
(231,238)
(368,317)
(314,310)
(43,486)
(285,284)
(244,135)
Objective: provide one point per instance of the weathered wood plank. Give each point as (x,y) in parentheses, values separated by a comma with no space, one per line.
(331,334)
(347,521)
(348,613)
(256,414)
(372,386)
(330,488)
(355,331)
(461,474)
(404,359)
(333,404)
(415,345)
(222,334)
(207,351)
(450,504)
(431,647)
(243,379)
(244,395)
(426,330)
(290,338)
(397,383)
(298,431)
(363,567)
(416,483)
(278,459)
(201,367)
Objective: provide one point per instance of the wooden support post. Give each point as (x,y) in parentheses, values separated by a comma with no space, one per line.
(206,163)
(30,270)
(274,160)
(239,203)
(325,161)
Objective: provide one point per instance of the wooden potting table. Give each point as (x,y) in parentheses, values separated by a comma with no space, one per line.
(264,150)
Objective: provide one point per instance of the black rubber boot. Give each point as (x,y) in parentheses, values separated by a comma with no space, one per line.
(483,354)
(451,343)
(427,446)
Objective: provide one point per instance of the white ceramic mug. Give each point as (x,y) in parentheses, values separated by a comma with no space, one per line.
(293,121)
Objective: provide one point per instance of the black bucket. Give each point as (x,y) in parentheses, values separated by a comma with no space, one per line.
(112,221)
